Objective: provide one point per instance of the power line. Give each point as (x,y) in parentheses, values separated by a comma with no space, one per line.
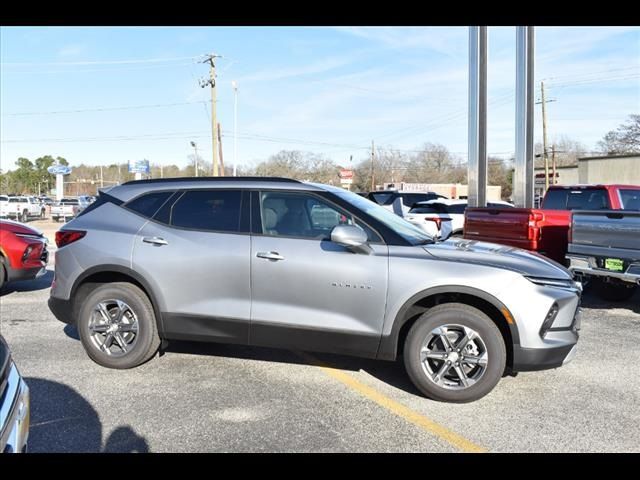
(97,62)
(103,109)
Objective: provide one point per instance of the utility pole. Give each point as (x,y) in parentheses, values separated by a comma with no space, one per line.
(372,173)
(545,153)
(235,127)
(101,178)
(220,152)
(195,147)
(553,157)
(210,59)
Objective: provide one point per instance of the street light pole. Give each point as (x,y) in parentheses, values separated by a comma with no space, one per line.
(235,127)
(195,147)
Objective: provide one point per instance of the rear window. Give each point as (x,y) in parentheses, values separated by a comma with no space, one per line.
(212,210)
(3,198)
(15,200)
(69,201)
(584,199)
(430,208)
(630,199)
(147,205)
(383,198)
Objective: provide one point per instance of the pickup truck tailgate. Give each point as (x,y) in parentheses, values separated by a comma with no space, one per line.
(509,226)
(611,229)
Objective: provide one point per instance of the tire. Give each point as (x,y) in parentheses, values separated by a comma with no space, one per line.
(25,217)
(482,378)
(3,273)
(43,214)
(614,291)
(143,345)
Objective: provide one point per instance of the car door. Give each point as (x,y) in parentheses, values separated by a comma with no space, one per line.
(307,292)
(195,252)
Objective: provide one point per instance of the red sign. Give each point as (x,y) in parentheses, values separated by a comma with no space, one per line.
(346,173)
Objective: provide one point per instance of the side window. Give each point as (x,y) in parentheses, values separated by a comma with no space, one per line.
(214,210)
(147,205)
(299,215)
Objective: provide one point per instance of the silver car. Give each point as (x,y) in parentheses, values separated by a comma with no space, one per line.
(281,263)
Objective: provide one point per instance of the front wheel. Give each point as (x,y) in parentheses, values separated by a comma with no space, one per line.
(25,217)
(454,353)
(117,326)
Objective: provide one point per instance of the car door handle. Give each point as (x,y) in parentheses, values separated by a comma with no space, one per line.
(155,240)
(270,255)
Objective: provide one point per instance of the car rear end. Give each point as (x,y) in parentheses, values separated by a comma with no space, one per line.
(14,405)
(432,217)
(24,249)
(606,244)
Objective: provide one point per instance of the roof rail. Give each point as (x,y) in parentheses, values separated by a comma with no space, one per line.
(211,179)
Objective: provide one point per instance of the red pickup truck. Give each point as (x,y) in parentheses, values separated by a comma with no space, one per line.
(544,230)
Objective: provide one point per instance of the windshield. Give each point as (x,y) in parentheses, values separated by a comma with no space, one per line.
(408,231)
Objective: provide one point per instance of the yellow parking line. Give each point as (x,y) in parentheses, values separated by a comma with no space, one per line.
(397,408)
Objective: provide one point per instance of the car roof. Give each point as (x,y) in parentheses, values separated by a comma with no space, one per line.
(132,189)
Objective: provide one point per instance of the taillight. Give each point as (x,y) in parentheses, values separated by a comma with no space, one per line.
(435,220)
(65,237)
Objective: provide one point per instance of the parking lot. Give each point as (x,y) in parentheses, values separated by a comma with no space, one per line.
(225,398)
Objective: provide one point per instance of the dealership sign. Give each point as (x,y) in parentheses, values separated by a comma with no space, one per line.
(139,166)
(59,170)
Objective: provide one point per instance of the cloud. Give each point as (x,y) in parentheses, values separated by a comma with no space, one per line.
(72,50)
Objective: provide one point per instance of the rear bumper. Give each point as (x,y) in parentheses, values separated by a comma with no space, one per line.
(18,274)
(587,266)
(61,309)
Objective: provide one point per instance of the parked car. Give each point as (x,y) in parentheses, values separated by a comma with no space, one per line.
(444,218)
(68,208)
(15,405)
(388,199)
(4,205)
(604,247)
(281,263)
(22,208)
(23,252)
(44,200)
(544,230)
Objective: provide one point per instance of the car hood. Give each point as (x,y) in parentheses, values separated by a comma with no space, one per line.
(17,227)
(499,256)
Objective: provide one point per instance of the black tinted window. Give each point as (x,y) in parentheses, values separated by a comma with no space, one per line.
(630,199)
(555,200)
(147,205)
(459,208)
(383,198)
(217,210)
(587,200)
(408,199)
(429,208)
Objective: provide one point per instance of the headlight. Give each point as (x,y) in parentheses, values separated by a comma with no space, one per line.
(567,284)
(549,319)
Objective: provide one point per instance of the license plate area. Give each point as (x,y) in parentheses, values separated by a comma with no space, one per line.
(614,264)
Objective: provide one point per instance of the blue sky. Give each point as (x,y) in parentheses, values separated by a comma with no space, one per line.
(320,89)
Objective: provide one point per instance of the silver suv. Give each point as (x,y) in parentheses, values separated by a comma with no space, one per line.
(280,263)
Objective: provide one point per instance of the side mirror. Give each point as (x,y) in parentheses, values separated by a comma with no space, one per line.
(350,236)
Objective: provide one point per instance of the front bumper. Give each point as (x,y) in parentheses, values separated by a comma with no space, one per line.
(15,413)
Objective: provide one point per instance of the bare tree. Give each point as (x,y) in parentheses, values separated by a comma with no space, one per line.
(625,139)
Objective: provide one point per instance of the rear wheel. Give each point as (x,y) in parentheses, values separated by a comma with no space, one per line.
(454,353)
(117,326)
(25,217)
(615,291)
(3,272)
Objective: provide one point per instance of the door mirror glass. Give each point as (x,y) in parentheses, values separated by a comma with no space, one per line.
(348,235)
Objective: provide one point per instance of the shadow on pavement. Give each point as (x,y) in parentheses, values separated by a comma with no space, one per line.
(40,283)
(71,331)
(591,300)
(392,373)
(62,421)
